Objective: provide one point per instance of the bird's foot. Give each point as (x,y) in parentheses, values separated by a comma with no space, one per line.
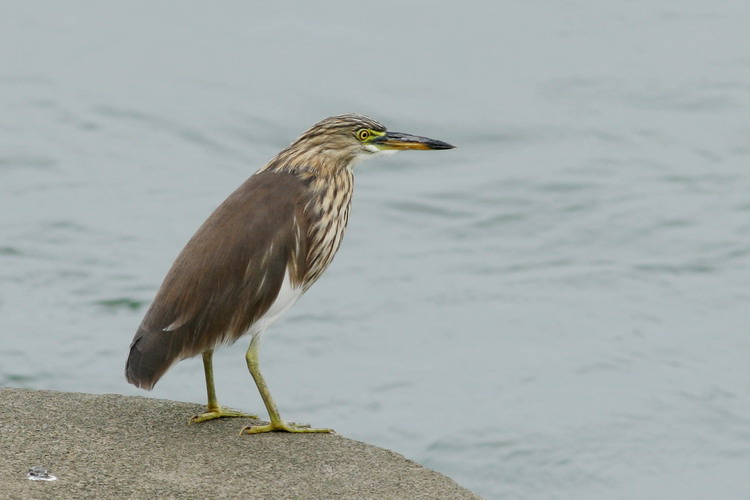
(281,427)
(218,413)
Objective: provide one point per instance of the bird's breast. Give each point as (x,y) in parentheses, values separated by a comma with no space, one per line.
(329,215)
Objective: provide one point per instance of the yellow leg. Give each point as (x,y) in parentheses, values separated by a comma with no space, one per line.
(214,410)
(276,423)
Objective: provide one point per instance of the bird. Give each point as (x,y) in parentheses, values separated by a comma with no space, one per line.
(256,254)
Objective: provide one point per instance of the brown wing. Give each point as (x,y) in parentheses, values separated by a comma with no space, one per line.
(226,277)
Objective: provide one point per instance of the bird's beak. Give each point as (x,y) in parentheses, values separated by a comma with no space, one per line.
(398,141)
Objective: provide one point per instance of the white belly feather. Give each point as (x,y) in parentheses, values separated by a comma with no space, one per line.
(287,296)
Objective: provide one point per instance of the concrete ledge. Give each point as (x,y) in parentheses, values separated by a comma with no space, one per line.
(111,446)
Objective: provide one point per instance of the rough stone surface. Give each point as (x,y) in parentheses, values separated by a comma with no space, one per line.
(112,446)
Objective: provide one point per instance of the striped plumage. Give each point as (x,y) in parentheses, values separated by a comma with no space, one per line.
(264,246)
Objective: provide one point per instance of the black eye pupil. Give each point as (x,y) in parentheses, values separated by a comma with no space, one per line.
(364,134)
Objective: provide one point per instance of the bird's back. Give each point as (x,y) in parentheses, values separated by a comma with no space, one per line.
(230,273)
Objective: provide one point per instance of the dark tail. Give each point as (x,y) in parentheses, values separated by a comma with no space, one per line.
(150,357)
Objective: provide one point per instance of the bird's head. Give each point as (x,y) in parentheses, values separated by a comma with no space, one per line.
(342,141)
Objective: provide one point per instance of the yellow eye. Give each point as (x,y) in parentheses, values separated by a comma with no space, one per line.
(363,134)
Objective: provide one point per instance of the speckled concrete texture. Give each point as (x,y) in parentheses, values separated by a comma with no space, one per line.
(112,446)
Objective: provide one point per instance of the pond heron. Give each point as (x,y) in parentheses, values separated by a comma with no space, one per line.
(261,249)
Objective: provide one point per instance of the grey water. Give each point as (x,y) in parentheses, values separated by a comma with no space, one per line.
(556,309)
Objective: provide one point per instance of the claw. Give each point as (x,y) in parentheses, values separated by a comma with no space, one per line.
(219,413)
(282,427)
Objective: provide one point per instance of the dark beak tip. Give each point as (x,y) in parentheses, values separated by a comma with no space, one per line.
(441,145)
